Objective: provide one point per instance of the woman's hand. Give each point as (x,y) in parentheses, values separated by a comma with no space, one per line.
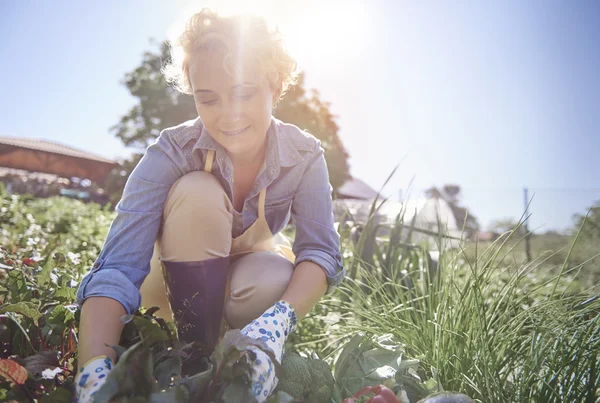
(91,377)
(273,327)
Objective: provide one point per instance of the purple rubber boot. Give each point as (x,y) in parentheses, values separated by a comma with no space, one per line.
(196,292)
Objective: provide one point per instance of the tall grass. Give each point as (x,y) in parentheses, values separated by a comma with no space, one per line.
(480,322)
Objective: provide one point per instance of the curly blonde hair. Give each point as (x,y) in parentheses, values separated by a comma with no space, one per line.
(237,35)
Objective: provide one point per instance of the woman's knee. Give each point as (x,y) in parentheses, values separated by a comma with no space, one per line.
(197,219)
(258,280)
(197,193)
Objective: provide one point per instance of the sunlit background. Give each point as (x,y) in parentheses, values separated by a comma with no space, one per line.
(494,97)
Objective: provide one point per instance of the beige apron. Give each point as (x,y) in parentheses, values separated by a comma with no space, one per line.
(257,238)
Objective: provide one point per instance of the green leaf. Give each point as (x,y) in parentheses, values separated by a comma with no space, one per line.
(65,293)
(414,389)
(359,362)
(280,397)
(60,315)
(404,365)
(120,350)
(151,332)
(151,311)
(380,357)
(342,361)
(17,286)
(166,370)
(28,309)
(234,340)
(131,376)
(177,394)
(237,392)
(225,346)
(58,395)
(43,276)
(196,384)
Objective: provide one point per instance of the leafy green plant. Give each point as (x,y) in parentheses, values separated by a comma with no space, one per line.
(482,324)
(478,321)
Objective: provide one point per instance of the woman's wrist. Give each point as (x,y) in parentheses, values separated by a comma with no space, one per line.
(99,328)
(307,286)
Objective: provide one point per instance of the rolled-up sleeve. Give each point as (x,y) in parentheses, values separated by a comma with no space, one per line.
(312,212)
(124,261)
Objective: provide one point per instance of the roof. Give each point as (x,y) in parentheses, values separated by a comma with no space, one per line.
(51,147)
(356,189)
(49,157)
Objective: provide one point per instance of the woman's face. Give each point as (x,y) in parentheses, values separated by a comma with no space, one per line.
(235,109)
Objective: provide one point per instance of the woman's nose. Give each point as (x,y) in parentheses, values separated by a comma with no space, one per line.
(231,112)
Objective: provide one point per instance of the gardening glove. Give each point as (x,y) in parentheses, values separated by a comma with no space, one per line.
(91,377)
(273,327)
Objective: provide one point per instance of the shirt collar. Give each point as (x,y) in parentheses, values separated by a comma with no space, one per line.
(281,151)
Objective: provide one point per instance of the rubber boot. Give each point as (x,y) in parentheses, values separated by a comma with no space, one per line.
(196,292)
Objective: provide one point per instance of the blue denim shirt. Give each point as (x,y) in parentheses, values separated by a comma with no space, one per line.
(297,182)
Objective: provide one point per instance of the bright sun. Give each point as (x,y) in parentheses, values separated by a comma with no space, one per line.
(312,28)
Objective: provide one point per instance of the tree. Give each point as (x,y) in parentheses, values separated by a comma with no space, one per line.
(586,236)
(160,106)
(311,114)
(114,182)
(451,194)
(589,224)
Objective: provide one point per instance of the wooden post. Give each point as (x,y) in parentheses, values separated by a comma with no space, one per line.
(527,237)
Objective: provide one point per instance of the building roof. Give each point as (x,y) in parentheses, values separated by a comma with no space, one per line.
(51,147)
(356,189)
(49,157)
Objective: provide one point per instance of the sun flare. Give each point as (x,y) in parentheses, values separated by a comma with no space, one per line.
(311,28)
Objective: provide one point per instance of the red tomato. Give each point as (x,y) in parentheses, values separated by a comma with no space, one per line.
(388,395)
(382,395)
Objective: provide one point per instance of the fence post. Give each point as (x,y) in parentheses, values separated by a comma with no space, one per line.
(527,235)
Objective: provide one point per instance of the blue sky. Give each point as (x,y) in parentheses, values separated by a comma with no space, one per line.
(494,96)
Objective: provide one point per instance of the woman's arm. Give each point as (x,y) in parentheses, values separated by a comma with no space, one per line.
(307,286)
(100,324)
(111,288)
(318,266)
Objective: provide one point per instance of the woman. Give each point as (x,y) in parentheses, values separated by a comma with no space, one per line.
(212,193)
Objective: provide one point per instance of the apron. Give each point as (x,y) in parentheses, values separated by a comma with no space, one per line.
(257,238)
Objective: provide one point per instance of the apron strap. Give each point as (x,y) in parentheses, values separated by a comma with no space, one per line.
(210,156)
(261,203)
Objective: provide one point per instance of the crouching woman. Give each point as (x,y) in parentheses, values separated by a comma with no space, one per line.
(197,229)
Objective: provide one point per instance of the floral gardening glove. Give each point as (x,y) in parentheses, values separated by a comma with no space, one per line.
(273,327)
(91,377)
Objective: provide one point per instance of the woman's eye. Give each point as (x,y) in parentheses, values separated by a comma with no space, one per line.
(210,102)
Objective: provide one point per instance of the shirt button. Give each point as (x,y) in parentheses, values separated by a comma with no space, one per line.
(272,171)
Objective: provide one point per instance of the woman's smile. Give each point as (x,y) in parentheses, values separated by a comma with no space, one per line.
(235,132)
